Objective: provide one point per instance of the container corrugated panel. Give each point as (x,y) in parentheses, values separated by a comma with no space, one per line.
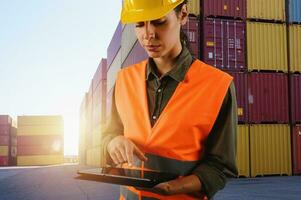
(112,72)
(97,135)
(240,82)
(104,101)
(294,9)
(109,104)
(100,73)
(266,46)
(5,129)
(225,8)
(224,44)
(4,160)
(270,148)
(89,108)
(41,130)
(268,98)
(93,157)
(295,47)
(267,10)
(4,140)
(39,160)
(136,55)
(295,80)
(114,45)
(128,40)
(243,151)
(55,149)
(5,120)
(97,106)
(194,7)
(191,28)
(296,137)
(4,150)
(40,140)
(40,120)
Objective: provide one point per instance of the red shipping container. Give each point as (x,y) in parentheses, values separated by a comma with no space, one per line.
(114,45)
(225,8)
(36,140)
(5,120)
(191,28)
(5,129)
(224,44)
(296,149)
(268,98)
(136,55)
(4,140)
(100,73)
(241,87)
(295,81)
(4,160)
(39,150)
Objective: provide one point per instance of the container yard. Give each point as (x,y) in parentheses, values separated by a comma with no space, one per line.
(256,42)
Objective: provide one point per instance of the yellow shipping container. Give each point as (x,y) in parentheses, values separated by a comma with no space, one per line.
(3,150)
(194,7)
(93,157)
(266,46)
(40,130)
(266,9)
(270,148)
(295,48)
(40,160)
(243,151)
(96,136)
(40,120)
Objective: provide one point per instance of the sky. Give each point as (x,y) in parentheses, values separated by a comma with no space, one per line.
(49,52)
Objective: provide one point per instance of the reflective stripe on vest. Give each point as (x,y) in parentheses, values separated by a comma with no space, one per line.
(176,141)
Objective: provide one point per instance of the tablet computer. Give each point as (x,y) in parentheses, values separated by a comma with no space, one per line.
(125,176)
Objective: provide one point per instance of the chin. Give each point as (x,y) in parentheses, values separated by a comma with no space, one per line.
(154,54)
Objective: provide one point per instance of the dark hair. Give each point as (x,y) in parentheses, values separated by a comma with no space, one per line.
(183,37)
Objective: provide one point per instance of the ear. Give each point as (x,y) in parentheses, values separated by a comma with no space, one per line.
(184,14)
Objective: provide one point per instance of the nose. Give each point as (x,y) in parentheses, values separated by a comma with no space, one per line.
(149,31)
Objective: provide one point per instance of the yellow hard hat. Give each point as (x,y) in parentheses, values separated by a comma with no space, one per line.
(146,10)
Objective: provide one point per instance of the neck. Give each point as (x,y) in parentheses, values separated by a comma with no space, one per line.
(166,62)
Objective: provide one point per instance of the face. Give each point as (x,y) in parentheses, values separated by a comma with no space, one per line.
(160,37)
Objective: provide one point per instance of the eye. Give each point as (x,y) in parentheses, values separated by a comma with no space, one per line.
(139,24)
(158,22)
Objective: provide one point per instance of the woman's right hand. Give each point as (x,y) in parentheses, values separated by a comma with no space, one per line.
(122,150)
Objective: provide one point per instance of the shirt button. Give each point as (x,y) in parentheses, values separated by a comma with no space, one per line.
(159,90)
(154,117)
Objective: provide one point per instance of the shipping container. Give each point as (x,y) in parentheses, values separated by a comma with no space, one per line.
(268,97)
(82,132)
(39,160)
(295,47)
(295,87)
(55,149)
(97,110)
(109,104)
(294,11)
(128,41)
(4,150)
(97,135)
(224,44)
(243,151)
(39,140)
(191,28)
(93,157)
(5,129)
(4,140)
(89,108)
(266,10)
(41,130)
(194,7)
(266,46)
(114,45)
(4,160)
(240,81)
(112,72)
(270,148)
(136,55)
(5,120)
(224,8)
(100,74)
(296,137)
(40,120)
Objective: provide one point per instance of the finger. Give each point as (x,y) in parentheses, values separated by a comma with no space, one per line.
(119,156)
(114,158)
(139,153)
(129,154)
(123,154)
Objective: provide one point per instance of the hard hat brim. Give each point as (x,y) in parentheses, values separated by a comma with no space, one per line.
(146,15)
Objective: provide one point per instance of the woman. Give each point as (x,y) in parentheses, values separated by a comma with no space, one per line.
(171,112)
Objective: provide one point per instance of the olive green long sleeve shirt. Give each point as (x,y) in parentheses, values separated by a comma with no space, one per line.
(218,161)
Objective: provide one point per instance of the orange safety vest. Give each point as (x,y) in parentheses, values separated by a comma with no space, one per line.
(176,141)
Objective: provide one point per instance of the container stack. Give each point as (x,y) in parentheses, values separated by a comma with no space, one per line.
(8,141)
(294,48)
(82,149)
(40,140)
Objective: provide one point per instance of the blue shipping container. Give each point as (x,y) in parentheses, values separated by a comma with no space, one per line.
(295,11)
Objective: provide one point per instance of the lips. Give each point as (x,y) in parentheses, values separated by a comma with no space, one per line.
(152,47)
